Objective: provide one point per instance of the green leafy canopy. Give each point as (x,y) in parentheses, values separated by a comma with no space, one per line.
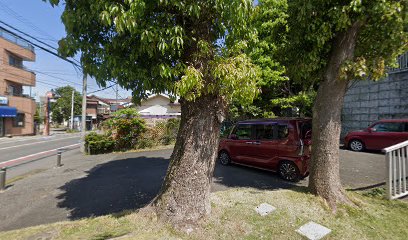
(61,108)
(314,24)
(184,47)
(279,92)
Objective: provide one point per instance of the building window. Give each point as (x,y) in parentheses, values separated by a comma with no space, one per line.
(15,62)
(19,120)
(14,90)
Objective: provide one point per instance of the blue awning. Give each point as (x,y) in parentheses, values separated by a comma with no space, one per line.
(8,111)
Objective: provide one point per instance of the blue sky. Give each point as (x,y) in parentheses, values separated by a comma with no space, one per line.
(39,19)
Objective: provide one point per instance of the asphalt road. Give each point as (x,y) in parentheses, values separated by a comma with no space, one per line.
(14,148)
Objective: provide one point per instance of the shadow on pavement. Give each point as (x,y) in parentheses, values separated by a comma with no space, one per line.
(113,187)
(131,183)
(240,176)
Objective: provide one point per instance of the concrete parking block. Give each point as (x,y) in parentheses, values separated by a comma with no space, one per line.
(264,209)
(313,231)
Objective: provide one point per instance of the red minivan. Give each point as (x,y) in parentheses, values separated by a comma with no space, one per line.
(378,136)
(280,145)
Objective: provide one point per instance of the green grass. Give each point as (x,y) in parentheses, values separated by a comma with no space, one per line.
(233,217)
(154,148)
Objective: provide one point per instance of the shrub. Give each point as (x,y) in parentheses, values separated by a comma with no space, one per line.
(103,146)
(125,127)
(127,132)
(172,126)
(150,138)
(98,143)
(145,143)
(163,133)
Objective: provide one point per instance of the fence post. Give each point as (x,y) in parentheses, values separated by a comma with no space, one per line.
(2,179)
(59,158)
(388,162)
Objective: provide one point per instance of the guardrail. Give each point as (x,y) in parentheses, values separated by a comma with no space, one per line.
(397,163)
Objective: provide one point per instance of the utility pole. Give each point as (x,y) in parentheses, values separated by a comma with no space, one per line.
(83,122)
(72,110)
(47,114)
(41,111)
(46,130)
(117,105)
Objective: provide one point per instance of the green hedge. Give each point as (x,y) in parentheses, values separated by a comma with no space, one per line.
(98,143)
(102,146)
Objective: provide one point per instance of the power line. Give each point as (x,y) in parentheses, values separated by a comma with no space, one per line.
(26,34)
(73,62)
(57,72)
(20,76)
(43,48)
(25,21)
(49,84)
(115,92)
(55,77)
(103,89)
(54,85)
(46,74)
(36,39)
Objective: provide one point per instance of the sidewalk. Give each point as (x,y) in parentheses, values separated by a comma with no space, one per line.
(25,138)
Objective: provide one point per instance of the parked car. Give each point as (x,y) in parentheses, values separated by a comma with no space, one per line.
(280,145)
(378,136)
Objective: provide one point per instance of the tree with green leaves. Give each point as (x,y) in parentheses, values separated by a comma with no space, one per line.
(279,94)
(61,108)
(332,43)
(193,49)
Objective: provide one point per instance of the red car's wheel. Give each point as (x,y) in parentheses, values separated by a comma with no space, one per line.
(289,171)
(224,158)
(356,145)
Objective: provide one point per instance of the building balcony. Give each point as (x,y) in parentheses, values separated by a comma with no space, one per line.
(17,75)
(23,103)
(17,46)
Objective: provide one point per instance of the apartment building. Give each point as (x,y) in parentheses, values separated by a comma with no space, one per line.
(17,109)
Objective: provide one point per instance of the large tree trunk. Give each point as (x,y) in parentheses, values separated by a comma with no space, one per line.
(185,194)
(324,170)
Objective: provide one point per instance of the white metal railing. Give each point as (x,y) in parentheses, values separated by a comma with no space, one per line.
(402,61)
(397,163)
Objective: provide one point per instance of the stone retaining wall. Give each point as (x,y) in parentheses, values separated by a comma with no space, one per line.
(368,101)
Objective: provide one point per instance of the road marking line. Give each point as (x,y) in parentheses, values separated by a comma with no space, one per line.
(5,140)
(27,144)
(7,163)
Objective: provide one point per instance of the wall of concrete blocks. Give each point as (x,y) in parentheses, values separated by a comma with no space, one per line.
(368,101)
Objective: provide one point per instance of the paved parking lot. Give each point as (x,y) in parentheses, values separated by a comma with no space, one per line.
(98,185)
(360,170)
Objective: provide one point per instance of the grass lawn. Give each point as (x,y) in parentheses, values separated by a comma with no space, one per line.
(233,217)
